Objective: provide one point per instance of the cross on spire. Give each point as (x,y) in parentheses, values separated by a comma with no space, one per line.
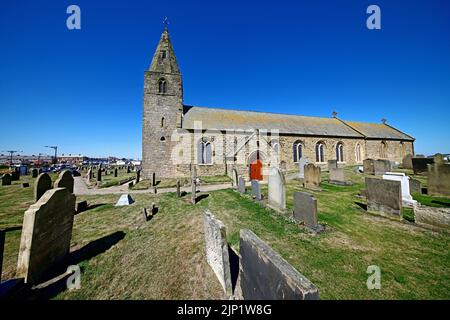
(383,121)
(166,23)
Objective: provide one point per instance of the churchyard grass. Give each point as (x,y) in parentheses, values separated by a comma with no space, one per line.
(432,201)
(165,257)
(109,180)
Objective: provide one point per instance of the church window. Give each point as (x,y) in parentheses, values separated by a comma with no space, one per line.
(163,55)
(340,152)
(298,150)
(205,152)
(162,86)
(383,150)
(320,157)
(162,122)
(358,153)
(275,146)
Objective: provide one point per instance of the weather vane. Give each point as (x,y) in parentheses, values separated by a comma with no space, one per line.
(166,23)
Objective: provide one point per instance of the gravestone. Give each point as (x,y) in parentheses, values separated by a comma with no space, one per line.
(40,171)
(99,174)
(124,200)
(128,169)
(337,176)
(217,254)
(384,196)
(305,209)
(2,248)
(65,180)
(415,186)
(6,179)
(194,182)
(407,162)
(332,164)
(376,167)
(25,185)
(15,175)
(439,178)
(42,184)
(312,177)
(241,185)
(265,275)
(89,174)
(34,173)
(115,173)
(301,167)
(46,234)
(432,217)
(130,185)
(420,165)
(153,179)
(178,188)
(81,206)
(404,180)
(235,177)
(256,190)
(138,176)
(277,189)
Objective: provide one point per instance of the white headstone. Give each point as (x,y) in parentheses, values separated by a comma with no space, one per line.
(125,200)
(277,189)
(301,167)
(404,180)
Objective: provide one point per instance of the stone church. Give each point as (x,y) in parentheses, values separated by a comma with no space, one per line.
(176,136)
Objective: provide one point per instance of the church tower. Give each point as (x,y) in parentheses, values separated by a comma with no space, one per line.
(162,110)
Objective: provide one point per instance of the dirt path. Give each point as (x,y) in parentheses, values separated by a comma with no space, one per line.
(81,188)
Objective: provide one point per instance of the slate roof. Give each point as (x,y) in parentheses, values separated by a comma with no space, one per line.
(226,119)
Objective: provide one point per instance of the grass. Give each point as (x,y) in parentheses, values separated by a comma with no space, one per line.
(172,183)
(109,180)
(164,258)
(432,201)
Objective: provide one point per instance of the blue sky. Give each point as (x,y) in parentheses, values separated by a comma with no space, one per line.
(82,89)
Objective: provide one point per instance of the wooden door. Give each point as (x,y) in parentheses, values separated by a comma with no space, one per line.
(256,170)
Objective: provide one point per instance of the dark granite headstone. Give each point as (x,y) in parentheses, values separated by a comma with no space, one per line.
(6,179)
(265,275)
(81,206)
(420,165)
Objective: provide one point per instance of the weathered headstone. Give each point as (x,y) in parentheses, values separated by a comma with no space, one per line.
(439,178)
(65,180)
(124,200)
(420,165)
(404,180)
(256,190)
(99,174)
(42,184)
(128,169)
(138,176)
(15,175)
(130,185)
(337,176)
(89,174)
(241,185)
(436,218)
(178,188)
(6,179)
(34,173)
(194,182)
(235,177)
(407,162)
(265,275)
(415,186)
(301,167)
(312,177)
(332,164)
(46,234)
(305,209)
(277,189)
(153,179)
(376,167)
(115,173)
(384,196)
(2,248)
(217,250)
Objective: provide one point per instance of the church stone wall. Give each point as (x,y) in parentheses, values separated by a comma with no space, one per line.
(395,150)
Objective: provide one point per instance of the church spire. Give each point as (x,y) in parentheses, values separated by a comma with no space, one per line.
(164,59)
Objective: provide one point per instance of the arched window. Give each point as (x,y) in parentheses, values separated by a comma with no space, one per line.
(204,152)
(340,152)
(275,146)
(162,86)
(298,150)
(320,157)
(358,153)
(162,122)
(402,148)
(383,150)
